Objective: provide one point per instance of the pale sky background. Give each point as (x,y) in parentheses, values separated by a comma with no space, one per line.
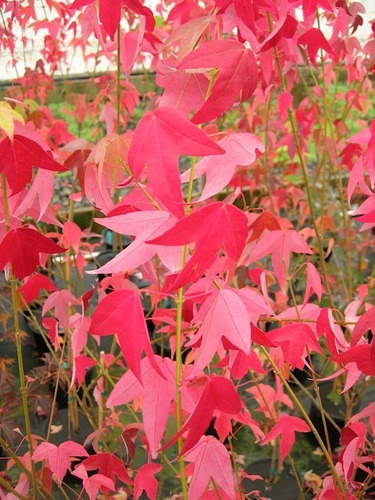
(78,66)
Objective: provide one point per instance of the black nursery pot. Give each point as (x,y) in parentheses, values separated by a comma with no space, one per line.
(282,487)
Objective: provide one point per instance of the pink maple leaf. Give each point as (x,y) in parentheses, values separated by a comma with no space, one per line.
(279,245)
(241,149)
(160,137)
(224,314)
(211,461)
(157,393)
(60,301)
(94,483)
(59,458)
(143,225)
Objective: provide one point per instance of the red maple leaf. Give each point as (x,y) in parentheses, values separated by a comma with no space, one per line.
(309,7)
(265,220)
(294,339)
(144,480)
(22,248)
(80,364)
(366,322)
(238,75)
(219,394)
(160,137)
(210,227)
(315,40)
(109,466)
(18,157)
(121,313)
(286,427)
(31,289)
(110,12)
(284,28)
(361,354)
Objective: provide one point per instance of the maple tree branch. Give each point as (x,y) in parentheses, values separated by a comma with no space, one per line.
(21,370)
(118,79)
(328,124)
(139,185)
(265,156)
(179,365)
(289,456)
(23,467)
(315,384)
(293,123)
(308,420)
(179,305)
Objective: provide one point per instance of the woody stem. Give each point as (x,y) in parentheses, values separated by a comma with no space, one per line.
(21,370)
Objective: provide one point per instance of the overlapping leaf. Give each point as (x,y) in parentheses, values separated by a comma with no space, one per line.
(121,313)
(238,75)
(157,393)
(18,157)
(143,225)
(59,458)
(160,137)
(108,465)
(211,461)
(279,244)
(110,12)
(211,227)
(218,394)
(240,149)
(22,248)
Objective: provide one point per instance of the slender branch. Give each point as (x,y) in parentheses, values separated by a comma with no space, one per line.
(21,370)
(308,420)
(118,80)
(4,483)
